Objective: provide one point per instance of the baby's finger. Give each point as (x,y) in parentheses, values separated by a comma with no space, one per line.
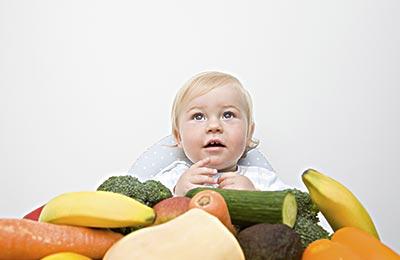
(230,187)
(227,175)
(226,182)
(205,171)
(201,179)
(201,163)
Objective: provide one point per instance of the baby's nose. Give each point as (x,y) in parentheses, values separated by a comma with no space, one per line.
(214,126)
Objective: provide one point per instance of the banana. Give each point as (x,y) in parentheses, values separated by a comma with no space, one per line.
(66,256)
(338,205)
(100,209)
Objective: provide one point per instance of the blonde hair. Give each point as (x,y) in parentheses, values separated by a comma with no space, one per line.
(203,83)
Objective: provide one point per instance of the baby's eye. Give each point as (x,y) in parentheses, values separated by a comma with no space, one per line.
(228,115)
(198,117)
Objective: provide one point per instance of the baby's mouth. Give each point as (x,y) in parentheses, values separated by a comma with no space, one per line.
(214,144)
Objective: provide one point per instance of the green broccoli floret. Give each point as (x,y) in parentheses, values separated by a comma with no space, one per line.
(307,221)
(309,230)
(127,185)
(149,192)
(155,192)
(305,206)
(126,230)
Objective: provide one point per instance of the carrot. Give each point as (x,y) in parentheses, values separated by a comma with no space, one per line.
(364,244)
(213,203)
(28,239)
(325,249)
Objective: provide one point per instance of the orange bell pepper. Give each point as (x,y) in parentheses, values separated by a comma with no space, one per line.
(364,244)
(325,249)
(349,243)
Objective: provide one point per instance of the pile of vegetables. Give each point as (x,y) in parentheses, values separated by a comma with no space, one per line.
(127,219)
(249,207)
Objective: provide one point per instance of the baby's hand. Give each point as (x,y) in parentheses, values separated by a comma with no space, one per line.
(234,181)
(195,176)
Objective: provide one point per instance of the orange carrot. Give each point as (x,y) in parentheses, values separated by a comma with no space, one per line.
(364,244)
(213,203)
(324,249)
(28,239)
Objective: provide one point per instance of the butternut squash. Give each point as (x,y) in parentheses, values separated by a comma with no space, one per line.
(193,235)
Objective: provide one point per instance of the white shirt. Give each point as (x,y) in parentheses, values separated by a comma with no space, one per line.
(262,179)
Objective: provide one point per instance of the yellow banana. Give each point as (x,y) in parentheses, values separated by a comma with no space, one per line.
(338,205)
(66,256)
(101,209)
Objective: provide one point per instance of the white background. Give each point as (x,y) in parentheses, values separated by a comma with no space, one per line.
(87,86)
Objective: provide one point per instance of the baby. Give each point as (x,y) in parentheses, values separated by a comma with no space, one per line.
(212,121)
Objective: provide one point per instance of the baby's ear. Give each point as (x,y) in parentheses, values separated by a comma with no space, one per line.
(250,133)
(177,138)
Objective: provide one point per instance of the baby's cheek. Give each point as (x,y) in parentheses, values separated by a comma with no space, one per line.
(240,145)
(191,149)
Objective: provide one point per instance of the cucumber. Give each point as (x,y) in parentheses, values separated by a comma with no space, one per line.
(247,208)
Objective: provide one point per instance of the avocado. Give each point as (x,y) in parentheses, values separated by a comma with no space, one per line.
(270,242)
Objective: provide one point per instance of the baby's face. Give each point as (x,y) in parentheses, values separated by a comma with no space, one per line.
(215,125)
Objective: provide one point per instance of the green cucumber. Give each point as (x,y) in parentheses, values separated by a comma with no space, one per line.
(252,207)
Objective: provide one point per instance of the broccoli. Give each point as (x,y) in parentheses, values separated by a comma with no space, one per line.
(125,230)
(309,230)
(127,185)
(305,206)
(149,192)
(155,192)
(307,219)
